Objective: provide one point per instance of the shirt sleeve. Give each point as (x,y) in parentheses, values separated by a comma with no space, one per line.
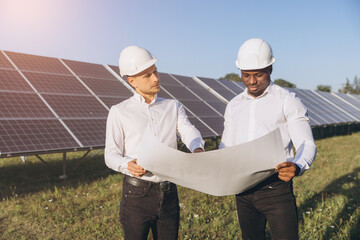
(189,134)
(114,143)
(300,133)
(228,133)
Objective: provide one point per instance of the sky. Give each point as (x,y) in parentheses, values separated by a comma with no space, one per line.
(314,42)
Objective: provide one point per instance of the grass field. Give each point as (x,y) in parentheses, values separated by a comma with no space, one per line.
(36,204)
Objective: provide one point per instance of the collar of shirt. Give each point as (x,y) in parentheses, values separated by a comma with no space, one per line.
(246,95)
(141,99)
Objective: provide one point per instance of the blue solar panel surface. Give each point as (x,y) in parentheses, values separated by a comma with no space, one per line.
(49,104)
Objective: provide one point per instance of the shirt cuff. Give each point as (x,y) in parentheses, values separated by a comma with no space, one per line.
(124,166)
(196,143)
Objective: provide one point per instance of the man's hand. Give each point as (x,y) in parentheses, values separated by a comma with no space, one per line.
(135,170)
(287,170)
(197,150)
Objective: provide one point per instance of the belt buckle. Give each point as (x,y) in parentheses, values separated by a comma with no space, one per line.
(164,186)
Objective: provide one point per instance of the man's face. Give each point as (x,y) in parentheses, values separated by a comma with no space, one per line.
(147,82)
(256,81)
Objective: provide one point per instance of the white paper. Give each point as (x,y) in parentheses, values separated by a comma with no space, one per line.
(220,172)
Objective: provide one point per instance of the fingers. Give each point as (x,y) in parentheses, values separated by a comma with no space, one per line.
(135,169)
(286,171)
(284,165)
(197,150)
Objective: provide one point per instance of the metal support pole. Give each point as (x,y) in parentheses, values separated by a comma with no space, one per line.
(64,176)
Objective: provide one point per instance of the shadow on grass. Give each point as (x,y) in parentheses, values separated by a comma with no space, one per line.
(31,177)
(348,186)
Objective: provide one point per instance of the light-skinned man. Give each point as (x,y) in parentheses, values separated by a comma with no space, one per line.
(147,201)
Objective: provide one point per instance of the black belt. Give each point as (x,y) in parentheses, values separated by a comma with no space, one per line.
(162,186)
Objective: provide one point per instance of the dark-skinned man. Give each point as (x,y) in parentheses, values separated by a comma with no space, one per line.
(260,109)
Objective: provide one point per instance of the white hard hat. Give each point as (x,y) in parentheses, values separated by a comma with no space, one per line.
(254,54)
(134,60)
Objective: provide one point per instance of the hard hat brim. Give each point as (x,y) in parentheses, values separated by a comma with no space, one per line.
(144,67)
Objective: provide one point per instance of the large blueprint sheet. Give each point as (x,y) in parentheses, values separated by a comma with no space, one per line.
(220,172)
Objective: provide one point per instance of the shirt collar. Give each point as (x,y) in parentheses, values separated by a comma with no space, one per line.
(246,94)
(141,99)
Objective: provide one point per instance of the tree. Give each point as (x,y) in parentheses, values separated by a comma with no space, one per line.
(232,77)
(284,83)
(352,88)
(324,88)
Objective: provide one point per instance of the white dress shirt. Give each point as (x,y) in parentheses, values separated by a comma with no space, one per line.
(127,121)
(248,118)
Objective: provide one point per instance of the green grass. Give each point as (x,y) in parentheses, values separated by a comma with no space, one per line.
(36,204)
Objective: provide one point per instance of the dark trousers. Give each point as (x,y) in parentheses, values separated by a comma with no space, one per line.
(149,206)
(273,201)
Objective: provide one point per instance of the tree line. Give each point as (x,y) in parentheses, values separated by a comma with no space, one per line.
(347,87)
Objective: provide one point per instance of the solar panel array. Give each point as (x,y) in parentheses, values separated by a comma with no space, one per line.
(324,108)
(51,105)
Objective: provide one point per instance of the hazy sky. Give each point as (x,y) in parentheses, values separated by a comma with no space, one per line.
(314,42)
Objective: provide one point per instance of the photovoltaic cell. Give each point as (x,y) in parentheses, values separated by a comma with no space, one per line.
(218,87)
(12,81)
(110,101)
(27,125)
(197,88)
(67,106)
(92,70)
(233,86)
(91,132)
(319,110)
(50,83)
(349,98)
(356,96)
(116,69)
(164,94)
(27,136)
(205,131)
(239,84)
(190,100)
(353,113)
(4,62)
(103,87)
(26,62)
(23,105)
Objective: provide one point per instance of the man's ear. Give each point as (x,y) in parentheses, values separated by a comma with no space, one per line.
(131,81)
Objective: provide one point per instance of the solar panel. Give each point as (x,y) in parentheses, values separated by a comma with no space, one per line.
(49,104)
(202,93)
(357,97)
(26,62)
(4,62)
(51,83)
(68,106)
(21,137)
(233,86)
(23,105)
(191,101)
(110,101)
(47,92)
(239,84)
(320,112)
(11,80)
(348,109)
(90,132)
(91,70)
(349,98)
(218,87)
